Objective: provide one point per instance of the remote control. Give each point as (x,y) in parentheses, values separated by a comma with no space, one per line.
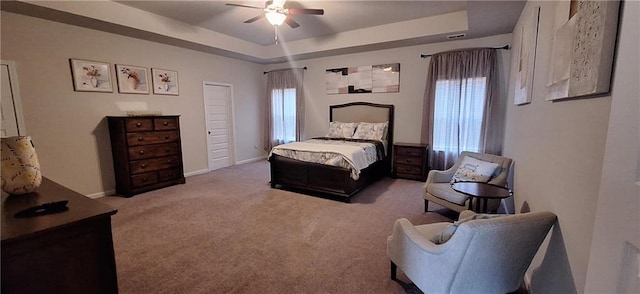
(46,208)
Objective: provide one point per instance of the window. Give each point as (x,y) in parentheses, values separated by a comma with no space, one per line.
(285,107)
(283,111)
(462,111)
(458,114)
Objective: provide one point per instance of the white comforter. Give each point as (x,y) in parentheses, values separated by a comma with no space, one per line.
(353,155)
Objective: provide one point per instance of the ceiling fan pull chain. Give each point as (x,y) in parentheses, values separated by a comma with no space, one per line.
(276,29)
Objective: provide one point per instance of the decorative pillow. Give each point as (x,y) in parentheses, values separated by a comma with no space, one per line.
(20,166)
(341,129)
(371,131)
(447,233)
(474,170)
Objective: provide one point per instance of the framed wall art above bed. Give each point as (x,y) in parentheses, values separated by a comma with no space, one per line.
(380,78)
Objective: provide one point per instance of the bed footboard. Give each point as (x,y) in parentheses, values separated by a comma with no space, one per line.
(321,178)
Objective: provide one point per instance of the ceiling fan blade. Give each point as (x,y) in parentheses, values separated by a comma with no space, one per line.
(306,11)
(254,19)
(292,23)
(245,6)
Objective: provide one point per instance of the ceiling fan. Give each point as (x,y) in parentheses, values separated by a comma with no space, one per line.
(277,14)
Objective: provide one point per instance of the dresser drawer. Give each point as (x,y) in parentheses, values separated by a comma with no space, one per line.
(165,123)
(144,179)
(409,169)
(409,160)
(137,139)
(169,174)
(409,151)
(150,151)
(138,125)
(147,165)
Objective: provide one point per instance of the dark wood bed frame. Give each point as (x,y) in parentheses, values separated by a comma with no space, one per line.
(331,180)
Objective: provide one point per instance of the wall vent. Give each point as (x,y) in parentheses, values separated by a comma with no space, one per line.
(456,36)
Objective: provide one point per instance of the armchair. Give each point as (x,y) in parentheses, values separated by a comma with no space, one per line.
(438,189)
(482,256)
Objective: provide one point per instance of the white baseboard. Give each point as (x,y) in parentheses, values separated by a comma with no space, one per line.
(102,194)
(195,173)
(189,174)
(251,160)
(113,192)
(204,171)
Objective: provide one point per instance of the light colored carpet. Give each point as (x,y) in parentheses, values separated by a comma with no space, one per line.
(229,232)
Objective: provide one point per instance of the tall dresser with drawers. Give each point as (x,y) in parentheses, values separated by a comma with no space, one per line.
(147,152)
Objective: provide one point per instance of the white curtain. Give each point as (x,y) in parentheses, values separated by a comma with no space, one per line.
(285,107)
(458,122)
(283,115)
(461,107)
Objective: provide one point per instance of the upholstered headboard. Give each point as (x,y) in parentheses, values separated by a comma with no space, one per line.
(364,112)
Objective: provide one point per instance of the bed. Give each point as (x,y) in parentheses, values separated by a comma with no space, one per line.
(338,181)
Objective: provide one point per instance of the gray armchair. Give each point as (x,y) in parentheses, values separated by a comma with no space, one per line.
(438,188)
(482,256)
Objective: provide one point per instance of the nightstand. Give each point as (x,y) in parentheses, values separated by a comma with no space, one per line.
(410,161)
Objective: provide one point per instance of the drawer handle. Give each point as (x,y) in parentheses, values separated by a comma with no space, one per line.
(168,160)
(144,180)
(143,166)
(138,124)
(141,152)
(407,160)
(166,137)
(170,174)
(165,123)
(168,149)
(140,138)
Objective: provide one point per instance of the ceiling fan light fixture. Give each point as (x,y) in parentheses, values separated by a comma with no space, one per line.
(275,18)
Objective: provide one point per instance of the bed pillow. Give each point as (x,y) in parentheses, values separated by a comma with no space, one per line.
(341,129)
(447,233)
(474,170)
(371,131)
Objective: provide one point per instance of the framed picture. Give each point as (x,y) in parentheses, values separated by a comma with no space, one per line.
(91,76)
(528,38)
(583,48)
(132,79)
(165,82)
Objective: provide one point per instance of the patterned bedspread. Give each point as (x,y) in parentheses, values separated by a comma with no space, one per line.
(354,154)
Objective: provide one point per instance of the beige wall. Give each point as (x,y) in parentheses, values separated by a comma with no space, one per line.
(413,75)
(69,128)
(613,268)
(558,148)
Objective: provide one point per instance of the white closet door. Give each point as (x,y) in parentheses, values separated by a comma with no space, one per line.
(218,115)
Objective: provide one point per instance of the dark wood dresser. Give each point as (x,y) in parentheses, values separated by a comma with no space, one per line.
(410,161)
(147,153)
(63,252)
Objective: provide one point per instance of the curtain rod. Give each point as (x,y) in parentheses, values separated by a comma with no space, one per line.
(266,72)
(505,47)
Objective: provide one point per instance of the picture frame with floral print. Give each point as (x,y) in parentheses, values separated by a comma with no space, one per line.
(91,76)
(165,82)
(132,79)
